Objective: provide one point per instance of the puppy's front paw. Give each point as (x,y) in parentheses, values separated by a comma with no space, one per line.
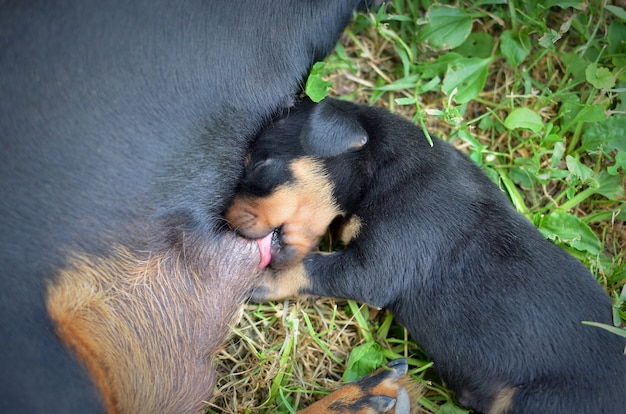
(290,246)
(287,256)
(276,285)
(264,290)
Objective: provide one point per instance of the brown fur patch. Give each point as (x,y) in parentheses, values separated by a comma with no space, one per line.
(304,208)
(147,327)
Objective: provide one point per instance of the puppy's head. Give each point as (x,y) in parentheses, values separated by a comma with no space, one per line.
(290,183)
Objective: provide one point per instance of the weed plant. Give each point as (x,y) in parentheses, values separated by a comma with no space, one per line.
(535,93)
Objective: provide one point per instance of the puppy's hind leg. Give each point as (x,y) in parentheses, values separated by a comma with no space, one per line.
(385,391)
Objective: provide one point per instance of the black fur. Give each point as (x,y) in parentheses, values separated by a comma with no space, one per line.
(494,304)
(126,121)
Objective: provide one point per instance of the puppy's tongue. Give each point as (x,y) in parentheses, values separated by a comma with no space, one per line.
(265,246)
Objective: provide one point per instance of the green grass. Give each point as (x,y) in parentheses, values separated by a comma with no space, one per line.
(535,93)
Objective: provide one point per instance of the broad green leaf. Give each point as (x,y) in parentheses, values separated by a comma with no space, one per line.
(591,113)
(571,230)
(576,65)
(606,135)
(609,186)
(467,76)
(363,359)
(477,45)
(616,36)
(513,49)
(617,48)
(552,139)
(564,4)
(439,66)
(522,176)
(570,107)
(446,27)
(465,136)
(577,168)
(617,11)
(405,101)
(316,87)
(620,162)
(599,77)
(524,118)
(574,112)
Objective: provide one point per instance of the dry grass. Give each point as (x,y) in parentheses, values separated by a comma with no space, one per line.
(251,362)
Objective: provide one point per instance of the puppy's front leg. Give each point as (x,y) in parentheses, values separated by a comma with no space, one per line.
(343,274)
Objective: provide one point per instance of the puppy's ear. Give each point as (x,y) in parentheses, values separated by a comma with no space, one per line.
(331,130)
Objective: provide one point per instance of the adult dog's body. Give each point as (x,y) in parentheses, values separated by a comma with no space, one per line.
(498,308)
(123,125)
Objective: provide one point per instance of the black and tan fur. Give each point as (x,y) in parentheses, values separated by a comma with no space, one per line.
(385,391)
(498,308)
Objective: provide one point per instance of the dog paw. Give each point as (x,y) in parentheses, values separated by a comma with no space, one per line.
(287,256)
(276,285)
(386,391)
(261,294)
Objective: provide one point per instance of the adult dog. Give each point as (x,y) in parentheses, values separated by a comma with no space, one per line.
(498,308)
(123,126)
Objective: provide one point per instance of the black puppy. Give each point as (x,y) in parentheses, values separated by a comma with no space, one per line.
(123,126)
(498,308)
